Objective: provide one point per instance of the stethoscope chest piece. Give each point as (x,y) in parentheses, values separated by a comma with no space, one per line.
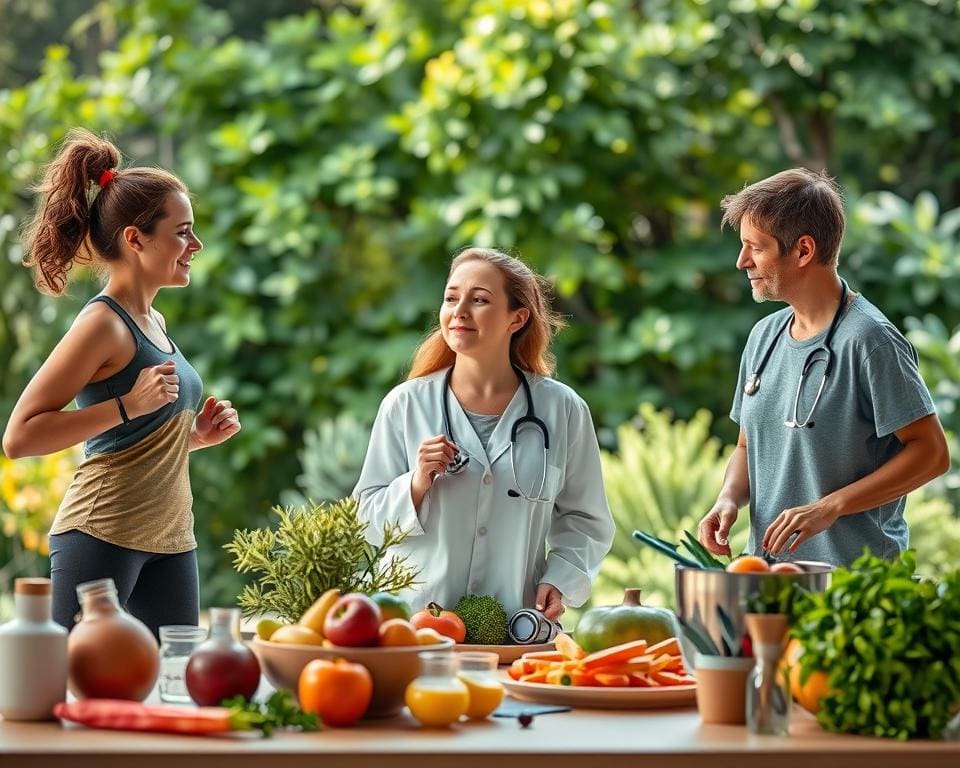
(752,385)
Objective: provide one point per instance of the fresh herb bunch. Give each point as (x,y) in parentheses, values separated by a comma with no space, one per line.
(890,645)
(315,548)
(278,711)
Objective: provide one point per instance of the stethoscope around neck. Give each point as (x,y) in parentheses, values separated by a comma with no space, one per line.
(752,385)
(529,418)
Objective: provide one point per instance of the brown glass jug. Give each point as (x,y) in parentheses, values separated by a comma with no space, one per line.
(112,655)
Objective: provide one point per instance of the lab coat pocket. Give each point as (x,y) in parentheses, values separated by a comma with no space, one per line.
(551,486)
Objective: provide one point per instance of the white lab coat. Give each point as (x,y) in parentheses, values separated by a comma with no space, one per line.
(470,537)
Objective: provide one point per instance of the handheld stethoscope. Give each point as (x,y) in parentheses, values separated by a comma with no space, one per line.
(529,418)
(752,385)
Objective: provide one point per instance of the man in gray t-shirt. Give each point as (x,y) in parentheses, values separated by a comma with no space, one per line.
(836,424)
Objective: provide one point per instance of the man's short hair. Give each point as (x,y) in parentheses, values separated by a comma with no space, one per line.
(791,204)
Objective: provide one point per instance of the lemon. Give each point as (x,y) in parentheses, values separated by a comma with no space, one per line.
(266,628)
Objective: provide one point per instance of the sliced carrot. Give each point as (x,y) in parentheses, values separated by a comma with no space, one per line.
(544,656)
(535,677)
(671,678)
(515,672)
(621,669)
(568,647)
(641,680)
(613,681)
(660,662)
(675,665)
(670,646)
(615,654)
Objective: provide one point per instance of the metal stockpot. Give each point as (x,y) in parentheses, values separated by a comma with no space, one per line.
(700,590)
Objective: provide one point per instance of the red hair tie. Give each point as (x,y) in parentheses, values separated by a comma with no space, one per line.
(106,177)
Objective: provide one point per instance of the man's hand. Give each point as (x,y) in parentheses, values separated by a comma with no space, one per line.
(805,521)
(715,527)
(549,601)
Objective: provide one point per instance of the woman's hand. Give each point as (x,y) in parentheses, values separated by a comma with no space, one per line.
(217,422)
(549,601)
(433,457)
(154,388)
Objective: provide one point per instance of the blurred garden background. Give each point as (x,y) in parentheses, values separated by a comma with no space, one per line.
(340,152)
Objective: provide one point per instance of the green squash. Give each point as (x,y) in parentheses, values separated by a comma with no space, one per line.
(606,626)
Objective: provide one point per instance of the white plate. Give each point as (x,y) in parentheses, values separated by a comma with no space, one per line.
(507,653)
(604,698)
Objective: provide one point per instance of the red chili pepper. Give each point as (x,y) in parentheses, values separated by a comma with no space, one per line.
(133,716)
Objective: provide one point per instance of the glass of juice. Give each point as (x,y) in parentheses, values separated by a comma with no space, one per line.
(478,671)
(437,698)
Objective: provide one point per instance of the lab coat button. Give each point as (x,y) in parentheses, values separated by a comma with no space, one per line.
(482,531)
(487,479)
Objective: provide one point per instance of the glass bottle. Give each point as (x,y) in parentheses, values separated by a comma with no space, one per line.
(33,655)
(177,643)
(768,691)
(112,655)
(437,698)
(478,671)
(222,666)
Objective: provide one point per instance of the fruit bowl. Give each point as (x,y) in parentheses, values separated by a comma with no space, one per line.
(391,667)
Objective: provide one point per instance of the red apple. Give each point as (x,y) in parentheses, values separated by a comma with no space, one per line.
(353,620)
(786,568)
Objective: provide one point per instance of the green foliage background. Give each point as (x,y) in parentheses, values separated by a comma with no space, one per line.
(339,152)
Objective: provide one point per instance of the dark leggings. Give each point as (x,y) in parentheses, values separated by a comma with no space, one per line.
(157,589)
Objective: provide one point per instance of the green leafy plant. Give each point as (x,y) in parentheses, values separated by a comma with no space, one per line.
(315,548)
(889,643)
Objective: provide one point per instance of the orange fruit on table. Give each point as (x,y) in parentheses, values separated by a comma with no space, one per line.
(338,691)
(809,692)
(748,564)
(398,632)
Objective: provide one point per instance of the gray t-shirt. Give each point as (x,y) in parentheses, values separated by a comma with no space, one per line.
(483,424)
(874,389)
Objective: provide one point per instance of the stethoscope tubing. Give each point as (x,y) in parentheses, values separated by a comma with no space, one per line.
(529,418)
(752,385)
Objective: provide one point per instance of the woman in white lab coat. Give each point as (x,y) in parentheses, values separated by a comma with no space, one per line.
(439,461)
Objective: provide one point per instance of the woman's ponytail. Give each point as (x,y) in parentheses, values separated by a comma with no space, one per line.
(58,234)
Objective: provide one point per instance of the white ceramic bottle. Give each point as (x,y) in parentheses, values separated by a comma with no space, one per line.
(33,655)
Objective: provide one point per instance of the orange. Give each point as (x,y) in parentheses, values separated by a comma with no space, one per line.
(428,636)
(398,632)
(338,691)
(748,564)
(809,692)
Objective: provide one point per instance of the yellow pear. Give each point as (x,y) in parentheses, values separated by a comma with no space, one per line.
(294,634)
(314,616)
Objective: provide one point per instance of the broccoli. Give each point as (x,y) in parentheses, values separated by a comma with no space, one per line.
(484,618)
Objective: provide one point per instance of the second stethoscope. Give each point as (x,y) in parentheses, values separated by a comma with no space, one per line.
(752,385)
(529,418)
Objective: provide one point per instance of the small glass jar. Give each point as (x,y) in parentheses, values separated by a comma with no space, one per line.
(438,698)
(478,671)
(177,642)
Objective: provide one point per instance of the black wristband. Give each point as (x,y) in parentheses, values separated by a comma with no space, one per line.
(123,411)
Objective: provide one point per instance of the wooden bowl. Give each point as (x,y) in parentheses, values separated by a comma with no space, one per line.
(392,668)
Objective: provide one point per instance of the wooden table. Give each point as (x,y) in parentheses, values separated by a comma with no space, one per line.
(581,738)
